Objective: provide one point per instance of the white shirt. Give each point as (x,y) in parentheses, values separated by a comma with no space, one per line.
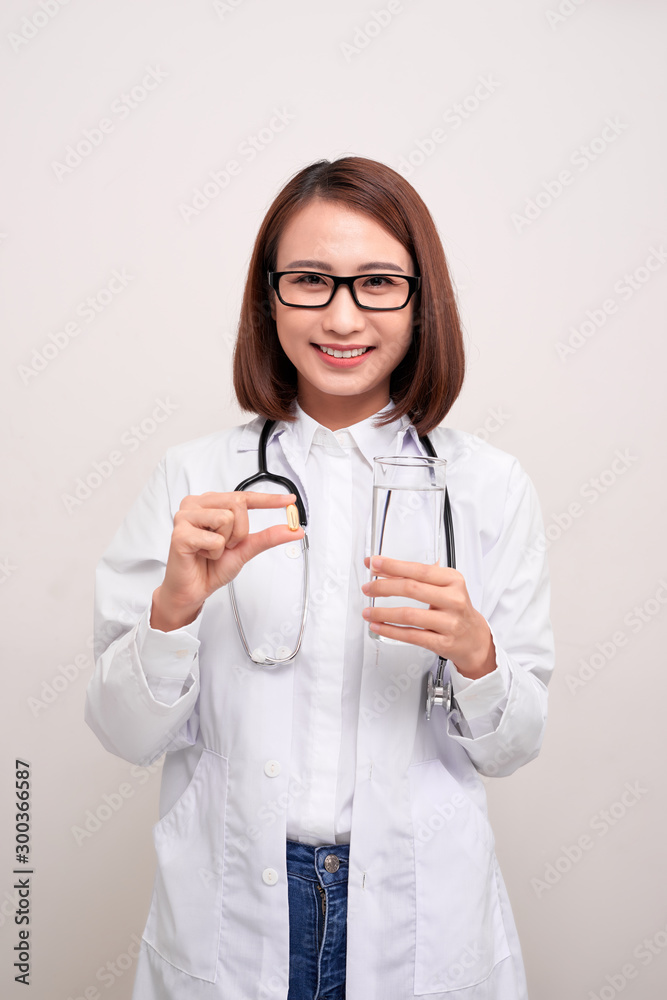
(339,470)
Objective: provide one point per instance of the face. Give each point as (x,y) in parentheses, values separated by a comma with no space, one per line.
(330,238)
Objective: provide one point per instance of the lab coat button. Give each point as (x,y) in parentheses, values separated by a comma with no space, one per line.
(282,652)
(272,768)
(270,876)
(331,863)
(293,551)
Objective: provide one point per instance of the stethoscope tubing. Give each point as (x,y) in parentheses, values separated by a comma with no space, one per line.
(264,476)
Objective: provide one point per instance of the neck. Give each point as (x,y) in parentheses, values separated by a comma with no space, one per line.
(335,412)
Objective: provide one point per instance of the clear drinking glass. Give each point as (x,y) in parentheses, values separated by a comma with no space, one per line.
(408,517)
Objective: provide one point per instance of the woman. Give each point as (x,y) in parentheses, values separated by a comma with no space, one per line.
(319,838)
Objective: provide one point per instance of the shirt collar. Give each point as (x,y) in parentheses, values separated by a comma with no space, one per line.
(372,441)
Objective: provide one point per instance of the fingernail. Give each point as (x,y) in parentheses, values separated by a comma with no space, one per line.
(376,562)
(366,612)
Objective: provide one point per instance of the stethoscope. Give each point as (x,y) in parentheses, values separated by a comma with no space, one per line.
(437,692)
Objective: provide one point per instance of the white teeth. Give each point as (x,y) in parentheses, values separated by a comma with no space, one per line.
(344,354)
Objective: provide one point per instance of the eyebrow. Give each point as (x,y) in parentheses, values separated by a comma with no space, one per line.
(322,265)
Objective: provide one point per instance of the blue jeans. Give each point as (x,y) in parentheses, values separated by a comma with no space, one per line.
(317,920)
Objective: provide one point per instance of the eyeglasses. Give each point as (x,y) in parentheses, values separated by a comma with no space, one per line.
(312,290)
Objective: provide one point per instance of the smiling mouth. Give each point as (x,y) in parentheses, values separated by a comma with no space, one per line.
(354,352)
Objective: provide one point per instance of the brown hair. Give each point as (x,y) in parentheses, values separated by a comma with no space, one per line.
(428,380)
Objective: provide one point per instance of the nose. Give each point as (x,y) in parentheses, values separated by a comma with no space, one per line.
(343,315)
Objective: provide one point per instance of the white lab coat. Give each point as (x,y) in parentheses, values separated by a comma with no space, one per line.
(428,913)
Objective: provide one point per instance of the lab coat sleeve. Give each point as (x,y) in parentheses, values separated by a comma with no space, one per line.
(143,696)
(481,701)
(501,717)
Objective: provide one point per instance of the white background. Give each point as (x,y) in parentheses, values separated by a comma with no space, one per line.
(220,72)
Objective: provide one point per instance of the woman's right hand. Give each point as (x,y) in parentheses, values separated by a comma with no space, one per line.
(210,543)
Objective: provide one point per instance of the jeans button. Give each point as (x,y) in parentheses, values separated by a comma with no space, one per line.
(331,863)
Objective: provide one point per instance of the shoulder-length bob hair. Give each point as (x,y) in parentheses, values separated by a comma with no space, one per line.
(428,380)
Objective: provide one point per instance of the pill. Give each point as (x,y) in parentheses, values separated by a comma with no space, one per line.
(292,517)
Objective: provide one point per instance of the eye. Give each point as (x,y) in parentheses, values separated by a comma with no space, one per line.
(378,281)
(307,279)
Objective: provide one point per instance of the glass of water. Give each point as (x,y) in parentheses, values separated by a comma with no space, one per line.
(408,517)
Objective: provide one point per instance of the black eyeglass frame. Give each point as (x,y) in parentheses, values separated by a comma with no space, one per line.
(414,281)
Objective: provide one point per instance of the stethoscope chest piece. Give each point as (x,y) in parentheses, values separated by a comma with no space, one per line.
(437,692)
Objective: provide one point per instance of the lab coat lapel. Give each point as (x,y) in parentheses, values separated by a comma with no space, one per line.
(295,456)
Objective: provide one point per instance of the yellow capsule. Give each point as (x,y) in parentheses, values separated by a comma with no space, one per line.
(292,517)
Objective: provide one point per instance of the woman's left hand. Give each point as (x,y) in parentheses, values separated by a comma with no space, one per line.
(450,626)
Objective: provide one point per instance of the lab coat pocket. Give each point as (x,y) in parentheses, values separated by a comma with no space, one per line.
(184,919)
(460,933)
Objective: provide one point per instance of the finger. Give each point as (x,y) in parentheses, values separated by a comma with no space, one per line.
(268,500)
(424,572)
(252,501)
(191,527)
(256,501)
(415,636)
(240,525)
(214,519)
(199,541)
(260,541)
(230,511)
(414,617)
(437,596)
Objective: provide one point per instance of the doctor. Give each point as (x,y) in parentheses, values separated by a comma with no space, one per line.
(318,837)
